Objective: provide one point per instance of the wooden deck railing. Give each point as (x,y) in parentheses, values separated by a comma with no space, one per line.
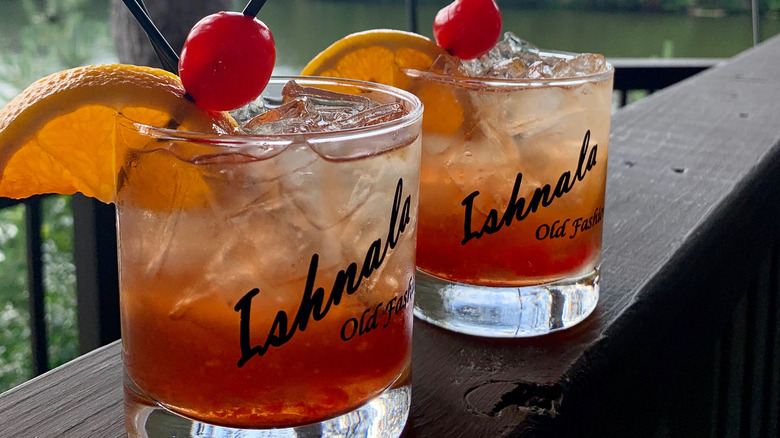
(651,74)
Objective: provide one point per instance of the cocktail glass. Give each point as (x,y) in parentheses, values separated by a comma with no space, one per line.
(511,200)
(266,280)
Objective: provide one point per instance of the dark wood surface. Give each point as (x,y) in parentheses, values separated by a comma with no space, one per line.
(657,73)
(691,232)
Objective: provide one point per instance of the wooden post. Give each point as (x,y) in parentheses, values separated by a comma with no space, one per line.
(40,355)
(97,278)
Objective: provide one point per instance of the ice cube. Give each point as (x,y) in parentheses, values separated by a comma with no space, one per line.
(443,145)
(477,67)
(562,69)
(524,112)
(371,116)
(324,193)
(295,116)
(449,65)
(356,236)
(329,104)
(244,114)
(515,58)
(507,69)
(585,64)
(509,58)
(367,224)
(275,242)
(309,109)
(538,70)
(487,162)
(514,46)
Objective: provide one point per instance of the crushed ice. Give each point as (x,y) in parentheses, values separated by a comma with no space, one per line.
(309,109)
(515,58)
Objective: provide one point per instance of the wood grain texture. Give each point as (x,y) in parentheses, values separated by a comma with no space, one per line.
(80,399)
(691,210)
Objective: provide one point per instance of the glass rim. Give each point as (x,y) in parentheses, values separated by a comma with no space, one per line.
(312,138)
(519,82)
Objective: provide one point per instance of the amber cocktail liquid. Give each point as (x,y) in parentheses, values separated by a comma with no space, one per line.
(269,283)
(512,190)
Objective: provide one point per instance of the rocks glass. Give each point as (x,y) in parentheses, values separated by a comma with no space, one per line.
(267,279)
(512,198)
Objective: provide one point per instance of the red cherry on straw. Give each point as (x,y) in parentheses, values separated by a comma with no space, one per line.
(468,28)
(227,60)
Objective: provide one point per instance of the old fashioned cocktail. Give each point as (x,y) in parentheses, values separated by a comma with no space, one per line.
(267,282)
(512,189)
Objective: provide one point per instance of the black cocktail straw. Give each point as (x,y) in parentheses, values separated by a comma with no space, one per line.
(143,6)
(253,7)
(168,58)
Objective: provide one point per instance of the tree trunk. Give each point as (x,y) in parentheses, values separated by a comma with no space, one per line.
(174,19)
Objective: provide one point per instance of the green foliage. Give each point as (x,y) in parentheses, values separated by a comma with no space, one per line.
(59,283)
(58,29)
(769,5)
(14,320)
(59,280)
(54,37)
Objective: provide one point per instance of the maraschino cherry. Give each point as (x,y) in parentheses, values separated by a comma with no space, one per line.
(468,28)
(227,60)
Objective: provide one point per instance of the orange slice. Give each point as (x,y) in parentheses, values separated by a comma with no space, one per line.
(443,109)
(58,135)
(378,55)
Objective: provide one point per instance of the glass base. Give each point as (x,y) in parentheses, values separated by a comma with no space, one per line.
(382,417)
(505,312)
